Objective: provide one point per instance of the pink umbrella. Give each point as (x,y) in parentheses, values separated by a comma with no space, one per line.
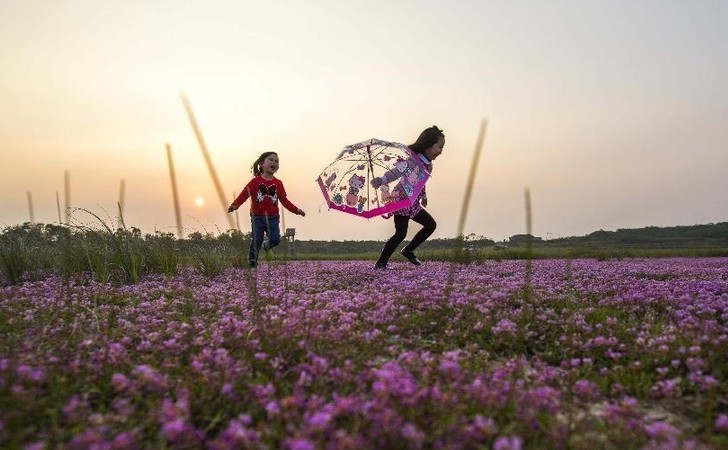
(347,182)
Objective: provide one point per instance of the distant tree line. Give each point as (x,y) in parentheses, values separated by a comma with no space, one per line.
(691,236)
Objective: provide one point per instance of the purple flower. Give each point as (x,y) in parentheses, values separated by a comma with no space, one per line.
(586,389)
(173,430)
(117,353)
(508,443)
(662,431)
(721,422)
(119,382)
(150,377)
(505,326)
(450,367)
(300,444)
(413,435)
(228,390)
(272,408)
(320,420)
(124,441)
(28,373)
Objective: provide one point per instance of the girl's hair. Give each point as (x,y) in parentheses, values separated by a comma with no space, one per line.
(427,138)
(257,169)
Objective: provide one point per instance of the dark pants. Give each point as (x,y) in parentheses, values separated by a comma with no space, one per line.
(401,223)
(260,225)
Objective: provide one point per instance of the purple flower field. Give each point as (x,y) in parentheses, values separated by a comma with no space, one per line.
(549,354)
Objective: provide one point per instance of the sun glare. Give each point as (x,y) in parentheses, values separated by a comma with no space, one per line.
(199,202)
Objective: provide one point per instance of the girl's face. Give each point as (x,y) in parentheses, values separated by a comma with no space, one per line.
(434,151)
(270,164)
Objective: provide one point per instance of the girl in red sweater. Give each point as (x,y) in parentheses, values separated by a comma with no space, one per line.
(264,191)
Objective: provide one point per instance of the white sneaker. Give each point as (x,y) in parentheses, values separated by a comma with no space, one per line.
(266,244)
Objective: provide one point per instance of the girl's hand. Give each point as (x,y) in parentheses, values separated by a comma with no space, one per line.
(232,208)
(301,213)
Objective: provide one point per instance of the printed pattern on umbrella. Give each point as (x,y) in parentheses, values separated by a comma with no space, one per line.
(347,182)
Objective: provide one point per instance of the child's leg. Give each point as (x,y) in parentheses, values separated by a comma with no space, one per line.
(400,232)
(257,228)
(274,231)
(428,227)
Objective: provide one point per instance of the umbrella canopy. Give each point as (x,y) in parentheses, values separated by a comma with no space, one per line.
(347,182)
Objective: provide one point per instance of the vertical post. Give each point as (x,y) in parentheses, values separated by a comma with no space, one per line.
(175,196)
(529,225)
(283,218)
(67,195)
(30,207)
(58,205)
(458,242)
(529,244)
(122,191)
(237,214)
(208,160)
(286,244)
(471,176)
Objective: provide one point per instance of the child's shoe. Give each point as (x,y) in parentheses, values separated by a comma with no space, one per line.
(410,255)
(383,266)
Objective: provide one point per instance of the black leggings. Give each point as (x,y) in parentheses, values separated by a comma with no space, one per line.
(401,224)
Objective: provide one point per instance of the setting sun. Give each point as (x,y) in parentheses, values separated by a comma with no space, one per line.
(199,202)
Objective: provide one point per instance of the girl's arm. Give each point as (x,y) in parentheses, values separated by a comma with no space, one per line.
(245,194)
(287,203)
(389,176)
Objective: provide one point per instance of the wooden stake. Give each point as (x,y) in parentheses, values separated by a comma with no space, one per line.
(208,160)
(67,195)
(175,196)
(58,205)
(237,214)
(30,207)
(122,191)
(471,176)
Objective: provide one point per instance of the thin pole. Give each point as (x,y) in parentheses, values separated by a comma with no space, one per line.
(30,207)
(175,196)
(58,205)
(529,244)
(237,214)
(529,224)
(283,219)
(208,160)
(67,195)
(458,243)
(471,176)
(122,191)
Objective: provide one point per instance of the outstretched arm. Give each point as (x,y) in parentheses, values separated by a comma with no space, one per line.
(388,177)
(287,203)
(242,197)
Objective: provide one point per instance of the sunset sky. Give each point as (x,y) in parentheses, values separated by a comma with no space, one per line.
(612,113)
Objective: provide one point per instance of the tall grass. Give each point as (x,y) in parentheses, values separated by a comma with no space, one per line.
(163,254)
(110,252)
(15,257)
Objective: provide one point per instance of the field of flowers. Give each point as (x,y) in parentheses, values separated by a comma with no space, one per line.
(546,354)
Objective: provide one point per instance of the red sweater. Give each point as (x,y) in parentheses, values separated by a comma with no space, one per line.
(264,195)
